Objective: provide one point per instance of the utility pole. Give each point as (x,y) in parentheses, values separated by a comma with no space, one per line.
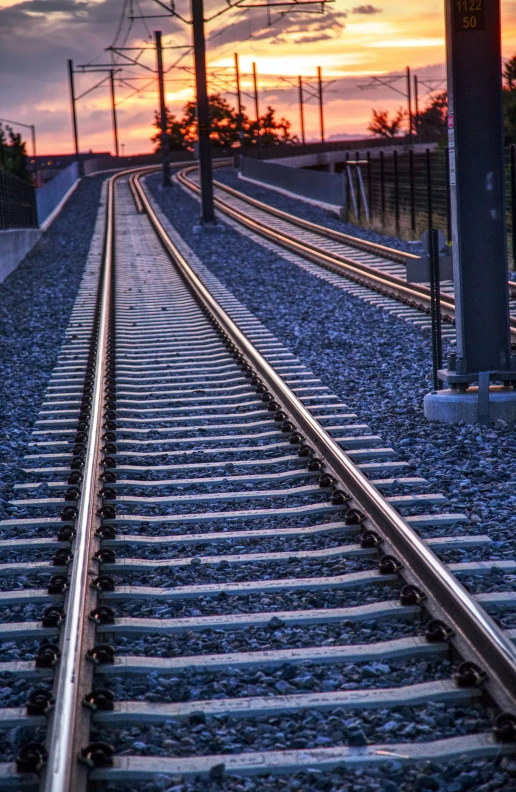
(321,109)
(240,127)
(416,107)
(203,114)
(74,116)
(165,148)
(301,110)
(113,106)
(255,85)
(476,177)
(409,103)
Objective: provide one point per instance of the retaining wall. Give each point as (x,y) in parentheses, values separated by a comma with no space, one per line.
(325,188)
(15,243)
(52,193)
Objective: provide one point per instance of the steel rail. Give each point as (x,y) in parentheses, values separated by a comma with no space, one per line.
(62,739)
(385,283)
(476,635)
(362,273)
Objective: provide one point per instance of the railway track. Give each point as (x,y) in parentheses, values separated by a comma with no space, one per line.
(213,567)
(375,267)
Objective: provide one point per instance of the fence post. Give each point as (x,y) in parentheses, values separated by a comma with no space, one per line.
(448,195)
(412,191)
(513,202)
(358,187)
(382,186)
(347,183)
(429,188)
(369,186)
(396,192)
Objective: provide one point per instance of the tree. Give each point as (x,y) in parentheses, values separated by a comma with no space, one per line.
(382,126)
(13,154)
(431,126)
(224,128)
(509,100)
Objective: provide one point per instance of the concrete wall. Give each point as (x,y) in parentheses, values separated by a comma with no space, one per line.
(15,243)
(328,159)
(52,193)
(325,188)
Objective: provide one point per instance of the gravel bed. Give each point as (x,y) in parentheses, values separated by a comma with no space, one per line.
(197,572)
(305,211)
(378,365)
(271,545)
(459,776)
(221,604)
(35,305)
(275,635)
(313,729)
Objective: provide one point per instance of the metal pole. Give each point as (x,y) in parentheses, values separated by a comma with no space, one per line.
(382,185)
(396,191)
(255,85)
(240,127)
(358,186)
(256,104)
(301,112)
(409,104)
(113,107)
(477,176)
(165,146)
(74,115)
(33,135)
(435,305)
(369,185)
(429,207)
(321,107)
(203,113)
(448,201)
(412,191)
(513,203)
(416,106)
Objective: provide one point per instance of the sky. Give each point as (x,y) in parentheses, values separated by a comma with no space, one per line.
(352,43)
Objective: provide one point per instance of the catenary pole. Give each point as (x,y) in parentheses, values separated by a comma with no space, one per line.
(301,109)
(476,177)
(165,148)
(416,106)
(321,107)
(203,114)
(74,114)
(113,108)
(240,127)
(409,103)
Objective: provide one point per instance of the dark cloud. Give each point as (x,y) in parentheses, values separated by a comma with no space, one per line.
(366,9)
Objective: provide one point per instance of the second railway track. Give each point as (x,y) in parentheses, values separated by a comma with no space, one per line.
(228,572)
(374,266)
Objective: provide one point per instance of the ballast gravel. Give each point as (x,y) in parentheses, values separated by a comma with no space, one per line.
(36,301)
(380,366)
(306,211)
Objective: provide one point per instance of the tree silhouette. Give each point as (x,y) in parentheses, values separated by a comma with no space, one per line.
(13,154)
(383,126)
(224,129)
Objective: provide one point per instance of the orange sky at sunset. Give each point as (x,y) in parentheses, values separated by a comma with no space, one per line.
(350,42)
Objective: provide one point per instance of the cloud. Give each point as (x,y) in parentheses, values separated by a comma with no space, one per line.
(366,9)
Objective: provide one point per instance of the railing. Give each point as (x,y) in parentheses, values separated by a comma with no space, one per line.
(17,202)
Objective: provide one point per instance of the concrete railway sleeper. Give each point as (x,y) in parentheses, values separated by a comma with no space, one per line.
(209,553)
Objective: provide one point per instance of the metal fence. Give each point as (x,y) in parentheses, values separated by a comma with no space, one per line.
(409,192)
(17,202)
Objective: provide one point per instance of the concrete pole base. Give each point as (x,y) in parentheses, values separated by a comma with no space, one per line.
(208,228)
(449,406)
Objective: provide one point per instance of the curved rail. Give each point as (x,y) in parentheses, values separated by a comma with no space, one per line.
(413,294)
(476,635)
